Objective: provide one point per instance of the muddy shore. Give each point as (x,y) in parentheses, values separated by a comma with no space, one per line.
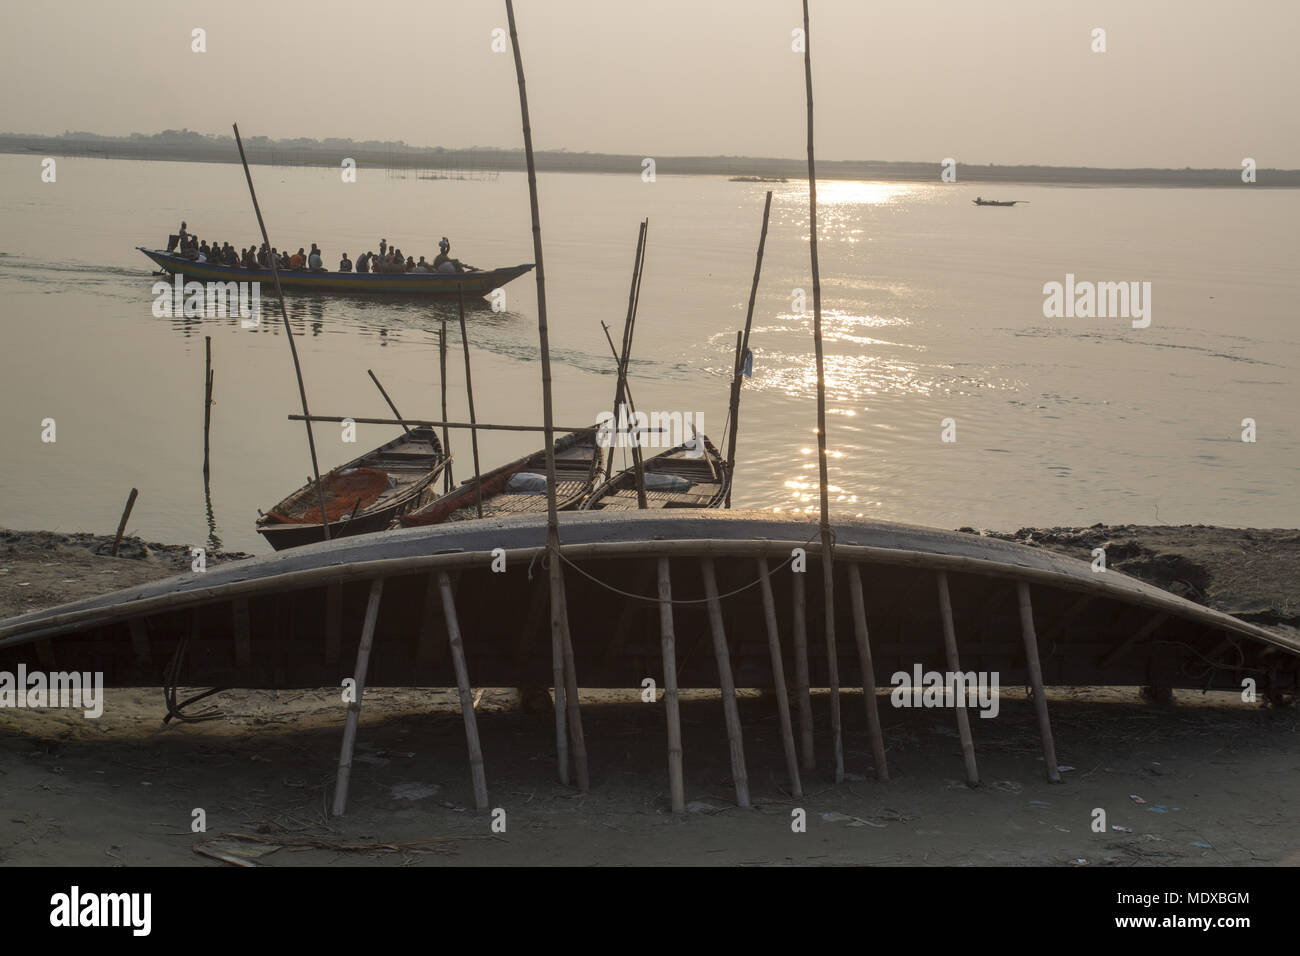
(1218,778)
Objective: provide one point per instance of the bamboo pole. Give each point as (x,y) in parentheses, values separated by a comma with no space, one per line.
(799,601)
(438,423)
(469,391)
(621,356)
(557,685)
(828,557)
(672,706)
(729,709)
(384,392)
(457,646)
(559,633)
(738,377)
(126,515)
(868,671)
(954,666)
(447,480)
(1036,681)
(638,463)
(207,399)
(577,741)
(778,679)
(354,706)
(288,331)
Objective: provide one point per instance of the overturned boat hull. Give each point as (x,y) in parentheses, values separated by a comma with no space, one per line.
(294,619)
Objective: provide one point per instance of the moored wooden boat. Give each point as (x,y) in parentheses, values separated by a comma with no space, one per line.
(478,283)
(680,477)
(520,487)
(362,496)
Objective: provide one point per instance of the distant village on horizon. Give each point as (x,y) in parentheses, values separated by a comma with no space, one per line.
(186,145)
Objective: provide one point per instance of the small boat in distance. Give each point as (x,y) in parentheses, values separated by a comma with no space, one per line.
(362,496)
(476,283)
(758,179)
(673,479)
(520,487)
(993,202)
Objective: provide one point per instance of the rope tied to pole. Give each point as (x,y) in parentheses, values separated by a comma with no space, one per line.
(657,600)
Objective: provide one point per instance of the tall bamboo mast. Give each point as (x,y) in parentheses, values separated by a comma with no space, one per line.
(828,557)
(288,331)
(737,372)
(565,698)
(621,357)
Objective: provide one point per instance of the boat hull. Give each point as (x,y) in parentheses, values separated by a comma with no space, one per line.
(577,467)
(416,472)
(407,284)
(265,622)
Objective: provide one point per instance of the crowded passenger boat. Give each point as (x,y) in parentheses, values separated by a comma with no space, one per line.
(389,261)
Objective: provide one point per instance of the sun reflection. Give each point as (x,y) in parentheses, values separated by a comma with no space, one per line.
(839,192)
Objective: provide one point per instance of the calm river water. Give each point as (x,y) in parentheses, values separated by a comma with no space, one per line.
(934,310)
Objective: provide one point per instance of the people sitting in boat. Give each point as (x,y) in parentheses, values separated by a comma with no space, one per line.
(203,251)
(298,260)
(421,266)
(286,261)
(363,262)
(410,264)
(345,264)
(314,262)
(443,262)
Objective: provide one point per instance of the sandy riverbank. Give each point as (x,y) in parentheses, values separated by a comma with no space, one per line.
(1219,778)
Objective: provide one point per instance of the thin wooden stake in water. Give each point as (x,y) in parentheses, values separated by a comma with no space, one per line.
(828,542)
(954,666)
(799,601)
(354,706)
(559,633)
(442,362)
(288,331)
(126,514)
(384,392)
(469,391)
(778,679)
(207,398)
(1036,681)
(868,671)
(738,377)
(462,686)
(730,712)
(672,707)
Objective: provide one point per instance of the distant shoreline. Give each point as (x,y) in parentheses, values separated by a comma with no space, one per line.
(190,147)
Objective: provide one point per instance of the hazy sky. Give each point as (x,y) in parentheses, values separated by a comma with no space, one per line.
(1198,83)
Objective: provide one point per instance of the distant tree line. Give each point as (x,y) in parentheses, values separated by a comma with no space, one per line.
(186,145)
